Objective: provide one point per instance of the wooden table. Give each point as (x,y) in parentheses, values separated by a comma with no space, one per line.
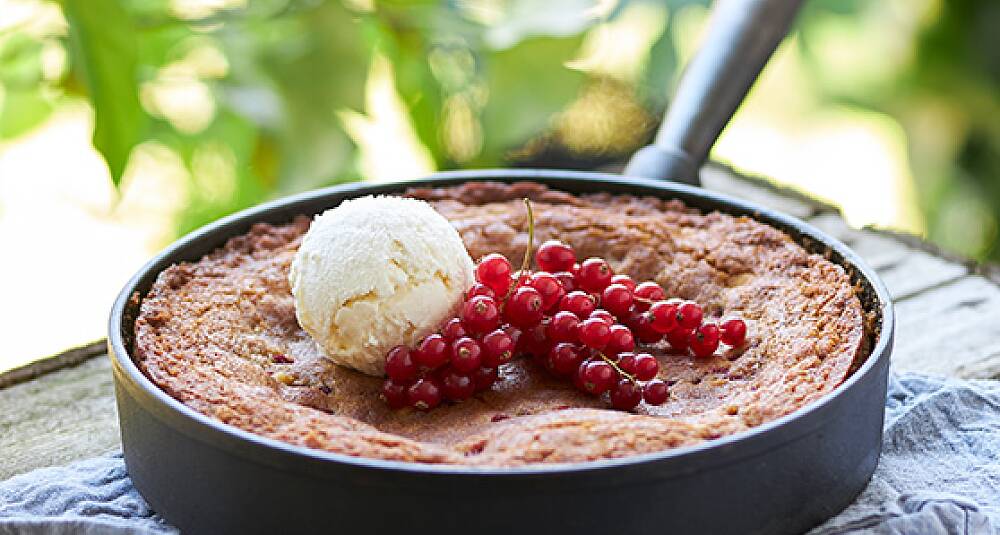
(948,310)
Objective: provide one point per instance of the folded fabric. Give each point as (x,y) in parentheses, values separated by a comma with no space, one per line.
(939,473)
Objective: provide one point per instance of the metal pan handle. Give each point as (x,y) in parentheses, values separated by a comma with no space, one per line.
(741,37)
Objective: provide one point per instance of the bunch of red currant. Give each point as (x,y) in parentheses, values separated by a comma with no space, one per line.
(577,320)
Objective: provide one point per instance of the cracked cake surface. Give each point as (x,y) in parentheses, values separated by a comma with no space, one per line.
(217,334)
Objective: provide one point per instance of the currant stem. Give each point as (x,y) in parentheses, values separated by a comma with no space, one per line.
(526,263)
(614,365)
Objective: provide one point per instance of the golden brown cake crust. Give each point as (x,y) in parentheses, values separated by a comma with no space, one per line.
(216,333)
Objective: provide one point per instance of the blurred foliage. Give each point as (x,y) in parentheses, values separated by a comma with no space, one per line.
(251,95)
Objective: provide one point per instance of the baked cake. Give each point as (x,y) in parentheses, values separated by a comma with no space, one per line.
(221,336)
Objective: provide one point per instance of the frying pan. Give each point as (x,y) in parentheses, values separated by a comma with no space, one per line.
(784,476)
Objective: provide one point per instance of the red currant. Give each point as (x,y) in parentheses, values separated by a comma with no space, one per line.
(453,330)
(555,256)
(594,332)
(400,366)
(498,348)
(603,315)
(524,308)
(535,341)
(494,270)
(484,378)
(433,351)
(626,395)
(655,392)
(678,339)
(563,327)
(664,316)
(646,367)
(689,315)
(620,340)
(479,288)
(424,394)
(481,314)
(734,332)
(641,324)
(595,274)
(617,299)
(625,281)
(456,386)
(466,355)
(597,377)
(627,362)
(549,287)
(704,340)
(394,394)
(564,358)
(650,291)
(566,280)
(579,303)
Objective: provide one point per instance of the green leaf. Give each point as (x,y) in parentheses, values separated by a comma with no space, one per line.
(104,52)
(22,111)
(527,84)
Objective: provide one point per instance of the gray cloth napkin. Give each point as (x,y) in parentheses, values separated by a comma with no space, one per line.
(939,473)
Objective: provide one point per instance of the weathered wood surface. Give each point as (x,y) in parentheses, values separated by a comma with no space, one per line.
(948,317)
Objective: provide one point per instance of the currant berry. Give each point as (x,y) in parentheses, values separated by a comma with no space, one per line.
(734,332)
(641,324)
(423,394)
(646,367)
(498,348)
(524,308)
(433,351)
(453,330)
(535,341)
(689,315)
(484,377)
(566,280)
(479,288)
(494,270)
(620,340)
(627,362)
(481,314)
(564,358)
(650,291)
(603,315)
(625,281)
(555,256)
(655,392)
(597,377)
(678,339)
(549,287)
(579,303)
(626,395)
(456,386)
(617,299)
(594,332)
(595,274)
(664,316)
(563,327)
(400,366)
(394,394)
(466,355)
(704,340)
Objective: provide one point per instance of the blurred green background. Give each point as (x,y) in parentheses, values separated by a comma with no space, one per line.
(124,123)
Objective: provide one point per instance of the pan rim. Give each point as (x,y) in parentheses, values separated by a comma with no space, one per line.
(128,375)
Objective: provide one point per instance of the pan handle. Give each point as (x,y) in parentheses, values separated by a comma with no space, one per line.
(741,37)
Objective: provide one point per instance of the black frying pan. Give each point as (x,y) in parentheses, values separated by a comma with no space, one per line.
(782,477)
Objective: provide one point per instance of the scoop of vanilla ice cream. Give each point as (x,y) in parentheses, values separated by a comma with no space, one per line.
(374,273)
